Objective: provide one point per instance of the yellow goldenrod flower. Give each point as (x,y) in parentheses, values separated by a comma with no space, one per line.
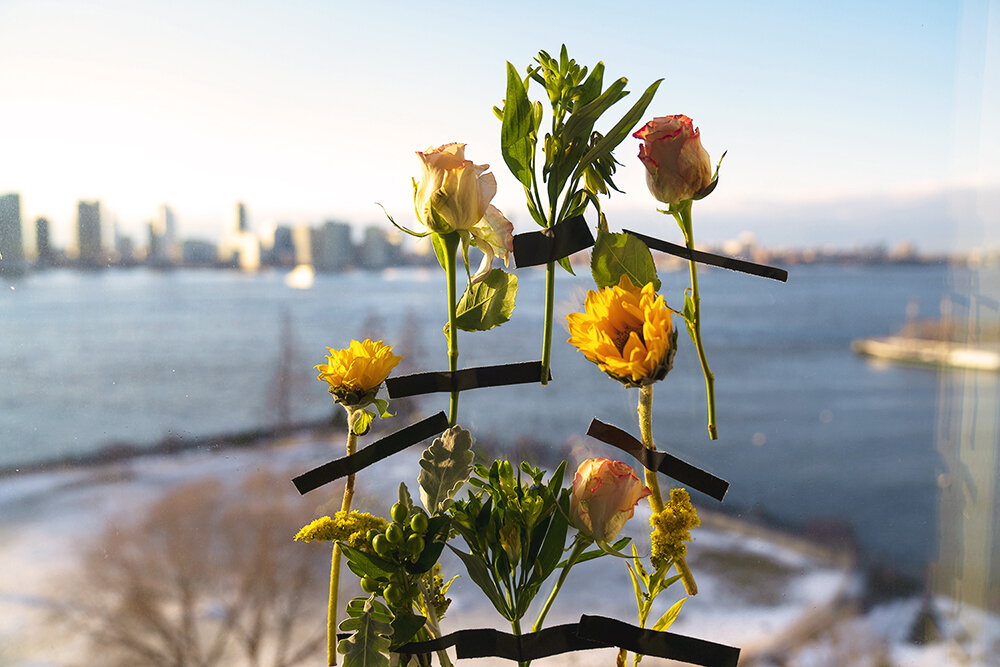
(627,331)
(355,373)
(672,528)
(350,528)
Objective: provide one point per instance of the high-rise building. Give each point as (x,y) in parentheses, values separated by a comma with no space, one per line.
(241,222)
(334,251)
(282,249)
(304,240)
(88,234)
(375,251)
(163,247)
(11,241)
(45,254)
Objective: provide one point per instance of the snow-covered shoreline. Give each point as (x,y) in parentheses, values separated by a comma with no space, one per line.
(46,516)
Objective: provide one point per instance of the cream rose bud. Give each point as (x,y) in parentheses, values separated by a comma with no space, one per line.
(604,497)
(677,167)
(453,193)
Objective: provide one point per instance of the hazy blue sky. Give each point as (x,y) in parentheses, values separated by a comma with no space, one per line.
(845,122)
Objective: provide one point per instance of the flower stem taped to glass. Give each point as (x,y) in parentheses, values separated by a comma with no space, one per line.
(578,162)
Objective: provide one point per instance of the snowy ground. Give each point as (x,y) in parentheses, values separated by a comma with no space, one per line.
(752,589)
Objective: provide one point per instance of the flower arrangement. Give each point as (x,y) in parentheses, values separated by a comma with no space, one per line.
(516,527)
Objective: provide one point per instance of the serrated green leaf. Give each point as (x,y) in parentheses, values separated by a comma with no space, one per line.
(405,499)
(444,467)
(488,303)
(369,645)
(669,616)
(362,421)
(615,255)
(516,133)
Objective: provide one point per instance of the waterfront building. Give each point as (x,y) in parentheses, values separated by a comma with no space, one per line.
(195,252)
(88,234)
(44,253)
(282,247)
(163,247)
(11,241)
(304,239)
(375,252)
(334,251)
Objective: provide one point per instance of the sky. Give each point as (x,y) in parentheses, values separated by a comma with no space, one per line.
(846,123)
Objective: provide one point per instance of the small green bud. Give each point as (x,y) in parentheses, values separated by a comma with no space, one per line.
(398,513)
(414,545)
(394,534)
(381,545)
(370,585)
(418,524)
(393,595)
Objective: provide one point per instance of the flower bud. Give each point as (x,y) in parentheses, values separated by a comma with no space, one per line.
(677,167)
(604,497)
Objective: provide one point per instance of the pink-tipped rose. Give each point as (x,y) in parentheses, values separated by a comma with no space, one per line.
(454,194)
(605,494)
(677,167)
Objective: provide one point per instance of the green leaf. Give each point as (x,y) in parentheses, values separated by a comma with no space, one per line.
(480,575)
(555,541)
(517,143)
(404,497)
(669,616)
(615,255)
(444,467)
(362,421)
(441,243)
(689,314)
(565,263)
(635,586)
(621,130)
(598,552)
(368,564)
(488,303)
(383,408)
(369,645)
(404,626)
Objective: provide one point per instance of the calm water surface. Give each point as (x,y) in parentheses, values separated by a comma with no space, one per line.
(807,429)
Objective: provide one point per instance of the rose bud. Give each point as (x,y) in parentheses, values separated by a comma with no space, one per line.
(454,195)
(604,497)
(677,167)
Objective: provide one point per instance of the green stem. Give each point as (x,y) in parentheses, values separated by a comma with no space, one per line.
(451,245)
(573,556)
(550,288)
(515,626)
(434,625)
(345,506)
(645,410)
(683,215)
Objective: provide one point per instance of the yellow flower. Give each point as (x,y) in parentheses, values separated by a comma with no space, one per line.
(348,527)
(627,332)
(355,373)
(672,528)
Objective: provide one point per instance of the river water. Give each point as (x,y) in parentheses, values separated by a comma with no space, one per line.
(808,431)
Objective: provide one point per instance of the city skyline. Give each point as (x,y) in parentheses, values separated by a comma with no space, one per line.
(839,131)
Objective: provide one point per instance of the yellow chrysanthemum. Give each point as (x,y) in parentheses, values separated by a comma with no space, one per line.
(627,331)
(348,527)
(672,528)
(356,372)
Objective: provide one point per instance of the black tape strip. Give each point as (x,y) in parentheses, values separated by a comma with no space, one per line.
(669,465)
(552,244)
(373,453)
(659,644)
(590,633)
(467,378)
(730,263)
(487,642)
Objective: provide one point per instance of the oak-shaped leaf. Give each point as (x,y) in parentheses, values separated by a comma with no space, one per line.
(444,468)
(369,645)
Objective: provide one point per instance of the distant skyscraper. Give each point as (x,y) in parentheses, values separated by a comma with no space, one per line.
(375,250)
(11,242)
(334,252)
(43,244)
(88,231)
(241,222)
(163,247)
